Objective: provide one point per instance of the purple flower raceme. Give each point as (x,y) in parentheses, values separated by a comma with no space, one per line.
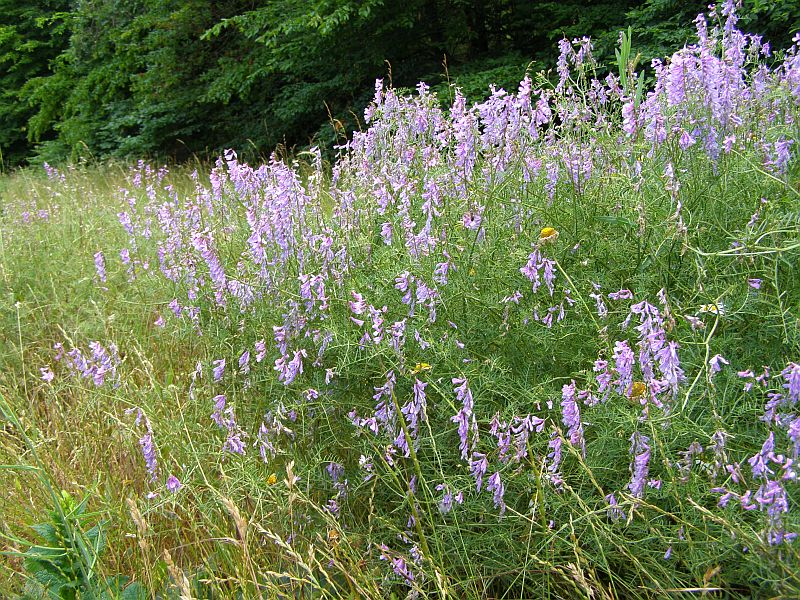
(623,365)
(640,451)
(414,411)
(100,365)
(670,366)
(288,369)
(465,417)
(149,454)
(477,468)
(603,377)
(554,460)
(571,416)
(495,485)
(100,266)
(791,375)
(146,443)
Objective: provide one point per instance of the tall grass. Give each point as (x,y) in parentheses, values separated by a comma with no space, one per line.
(543,346)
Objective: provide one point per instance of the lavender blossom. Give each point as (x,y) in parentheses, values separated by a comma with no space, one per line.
(640,450)
(173,484)
(791,375)
(715,364)
(149,453)
(614,512)
(623,359)
(477,468)
(571,417)
(495,485)
(47,374)
(100,265)
(219,369)
(465,417)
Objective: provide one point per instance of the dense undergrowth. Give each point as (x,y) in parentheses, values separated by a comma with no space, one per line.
(542,346)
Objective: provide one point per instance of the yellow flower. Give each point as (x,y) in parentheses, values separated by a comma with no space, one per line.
(547,235)
(272,479)
(419,367)
(637,391)
(333,537)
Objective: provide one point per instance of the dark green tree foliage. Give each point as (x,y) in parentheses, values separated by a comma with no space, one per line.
(174,77)
(32,35)
(131,81)
(663,26)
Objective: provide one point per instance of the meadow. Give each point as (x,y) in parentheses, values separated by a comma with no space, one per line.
(541,346)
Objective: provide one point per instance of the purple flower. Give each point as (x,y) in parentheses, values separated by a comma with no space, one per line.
(754,283)
(173,484)
(358,306)
(414,410)
(670,366)
(47,374)
(623,359)
(494,484)
(759,463)
(261,350)
(603,377)
(288,370)
(571,416)
(621,295)
(244,362)
(602,311)
(100,266)
(403,283)
(399,565)
(640,450)
(715,364)
(219,369)
(477,468)
(448,499)
(386,233)
(554,459)
(335,471)
(614,512)
(219,406)
(472,220)
(791,374)
(149,453)
(465,417)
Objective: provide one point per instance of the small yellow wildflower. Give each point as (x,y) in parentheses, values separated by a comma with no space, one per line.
(637,391)
(333,537)
(420,367)
(272,479)
(547,235)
